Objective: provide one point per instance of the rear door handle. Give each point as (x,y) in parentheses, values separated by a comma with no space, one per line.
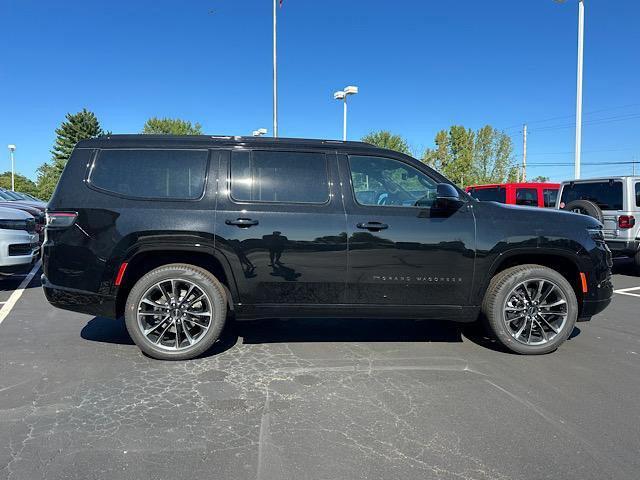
(242,222)
(373,226)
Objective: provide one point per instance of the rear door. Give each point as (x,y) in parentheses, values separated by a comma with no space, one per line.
(401,252)
(282,227)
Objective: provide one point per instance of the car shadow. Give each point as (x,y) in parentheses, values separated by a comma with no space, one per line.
(329,330)
(624,266)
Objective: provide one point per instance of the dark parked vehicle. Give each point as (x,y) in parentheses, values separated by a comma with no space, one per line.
(173,233)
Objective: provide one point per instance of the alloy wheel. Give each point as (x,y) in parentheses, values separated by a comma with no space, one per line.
(174,314)
(535,311)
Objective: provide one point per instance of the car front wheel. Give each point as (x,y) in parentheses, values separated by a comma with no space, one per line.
(530,309)
(176,312)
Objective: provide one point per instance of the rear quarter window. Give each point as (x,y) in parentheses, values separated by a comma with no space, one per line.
(550,197)
(489,194)
(638,194)
(151,174)
(607,195)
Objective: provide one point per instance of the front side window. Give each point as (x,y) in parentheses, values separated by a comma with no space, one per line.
(550,197)
(386,182)
(490,194)
(607,195)
(160,174)
(527,197)
(272,176)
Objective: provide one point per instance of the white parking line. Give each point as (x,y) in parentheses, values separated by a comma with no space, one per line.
(627,291)
(17,293)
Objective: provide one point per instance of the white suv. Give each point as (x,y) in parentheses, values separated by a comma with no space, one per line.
(18,240)
(615,202)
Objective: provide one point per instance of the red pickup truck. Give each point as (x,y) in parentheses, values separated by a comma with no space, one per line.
(531,194)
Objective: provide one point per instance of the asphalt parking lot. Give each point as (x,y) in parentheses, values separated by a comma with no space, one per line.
(322,399)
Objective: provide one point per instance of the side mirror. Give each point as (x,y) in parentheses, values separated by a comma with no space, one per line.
(447,197)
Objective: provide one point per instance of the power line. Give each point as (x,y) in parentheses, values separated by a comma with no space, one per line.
(597,121)
(560,117)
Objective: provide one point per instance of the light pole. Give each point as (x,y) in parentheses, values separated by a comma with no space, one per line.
(12,148)
(275,69)
(342,95)
(578,150)
(259,132)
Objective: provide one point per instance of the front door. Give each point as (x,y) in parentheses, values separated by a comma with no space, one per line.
(403,251)
(281,227)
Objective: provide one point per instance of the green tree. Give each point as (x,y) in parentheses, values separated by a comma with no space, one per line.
(171,126)
(469,157)
(540,178)
(22,183)
(385,139)
(76,127)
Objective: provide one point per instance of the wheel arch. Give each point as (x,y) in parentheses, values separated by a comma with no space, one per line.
(141,261)
(564,262)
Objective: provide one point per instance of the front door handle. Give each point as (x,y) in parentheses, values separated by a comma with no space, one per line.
(373,226)
(242,222)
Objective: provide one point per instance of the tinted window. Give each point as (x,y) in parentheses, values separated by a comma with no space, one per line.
(176,174)
(494,194)
(293,177)
(527,197)
(638,194)
(383,181)
(607,195)
(550,197)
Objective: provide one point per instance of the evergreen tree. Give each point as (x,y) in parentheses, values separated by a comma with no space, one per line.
(76,127)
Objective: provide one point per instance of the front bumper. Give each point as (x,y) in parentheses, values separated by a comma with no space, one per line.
(79,300)
(15,263)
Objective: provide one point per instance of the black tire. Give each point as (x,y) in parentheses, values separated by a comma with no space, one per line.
(636,261)
(205,281)
(585,207)
(495,299)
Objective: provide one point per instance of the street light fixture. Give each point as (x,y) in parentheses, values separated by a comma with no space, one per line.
(342,95)
(259,132)
(578,151)
(12,148)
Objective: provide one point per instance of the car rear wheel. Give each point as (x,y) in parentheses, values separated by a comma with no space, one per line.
(530,309)
(176,312)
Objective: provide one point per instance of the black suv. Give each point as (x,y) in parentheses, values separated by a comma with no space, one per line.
(176,233)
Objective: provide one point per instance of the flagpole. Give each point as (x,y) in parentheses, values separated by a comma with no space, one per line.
(275,73)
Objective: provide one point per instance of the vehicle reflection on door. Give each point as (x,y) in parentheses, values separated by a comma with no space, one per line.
(276,243)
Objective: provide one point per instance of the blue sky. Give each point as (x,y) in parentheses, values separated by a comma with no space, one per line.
(420,65)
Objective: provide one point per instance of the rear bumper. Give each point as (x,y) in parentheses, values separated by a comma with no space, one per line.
(623,248)
(79,300)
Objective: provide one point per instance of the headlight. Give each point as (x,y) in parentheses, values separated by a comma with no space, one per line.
(596,234)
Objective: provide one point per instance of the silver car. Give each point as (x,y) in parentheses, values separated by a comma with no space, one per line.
(615,201)
(19,244)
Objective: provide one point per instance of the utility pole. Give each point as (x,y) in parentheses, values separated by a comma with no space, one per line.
(275,71)
(524,152)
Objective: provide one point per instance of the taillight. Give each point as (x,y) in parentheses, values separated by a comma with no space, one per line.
(60,219)
(626,221)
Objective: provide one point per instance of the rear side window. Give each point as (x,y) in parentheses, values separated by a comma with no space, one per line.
(550,196)
(270,176)
(607,195)
(170,174)
(638,194)
(527,197)
(490,194)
